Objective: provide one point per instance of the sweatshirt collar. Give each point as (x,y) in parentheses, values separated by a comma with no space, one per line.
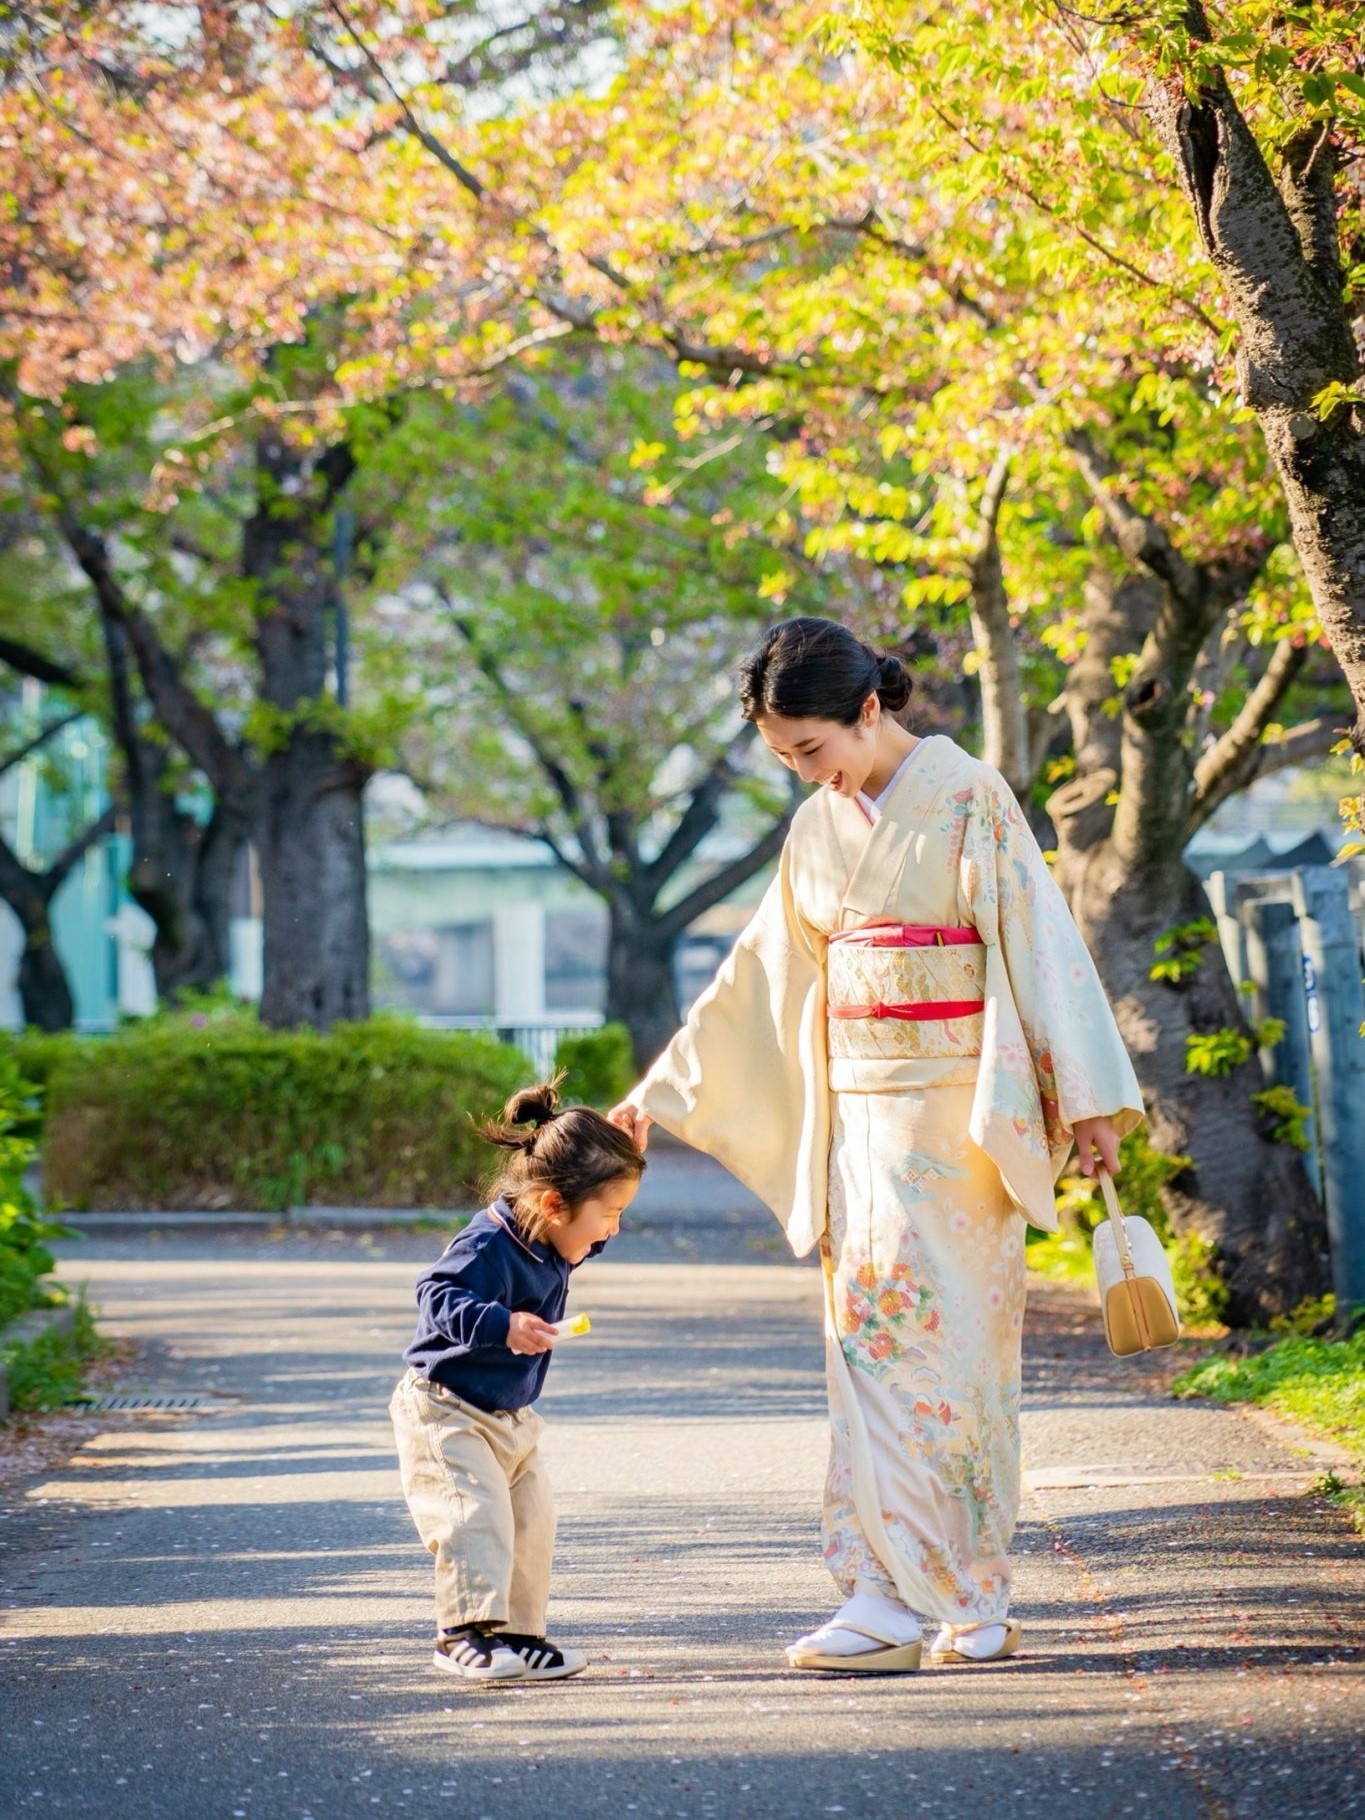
(502,1213)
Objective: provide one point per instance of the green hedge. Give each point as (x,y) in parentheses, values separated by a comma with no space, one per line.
(599,1066)
(25,1261)
(222,1113)
(36,1056)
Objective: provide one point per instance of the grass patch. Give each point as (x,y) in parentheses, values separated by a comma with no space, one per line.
(1062,1257)
(1065,1256)
(49,1371)
(1318,1383)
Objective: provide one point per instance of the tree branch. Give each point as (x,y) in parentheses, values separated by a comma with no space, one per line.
(1238,755)
(1295,337)
(184,715)
(71,855)
(1308,178)
(40,738)
(188,720)
(544,835)
(28,662)
(1004,711)
(578,313)
(563,785)
(20,888)
(700,815)
(1140,538)
(717,888)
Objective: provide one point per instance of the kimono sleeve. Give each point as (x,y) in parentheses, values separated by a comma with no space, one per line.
(1078,1058)
(745,1078)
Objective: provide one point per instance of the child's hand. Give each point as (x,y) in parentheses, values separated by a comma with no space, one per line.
(633,1121)
(528,1333)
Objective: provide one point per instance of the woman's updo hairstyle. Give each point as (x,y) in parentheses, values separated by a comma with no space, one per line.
(815,669)
(575,1151)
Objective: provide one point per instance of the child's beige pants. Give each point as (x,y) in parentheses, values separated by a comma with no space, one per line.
(481,1501)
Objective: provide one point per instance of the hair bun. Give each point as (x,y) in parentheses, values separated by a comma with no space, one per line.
(894,683)
(534,1106)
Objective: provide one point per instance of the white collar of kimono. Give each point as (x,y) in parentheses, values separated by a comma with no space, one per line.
(871,806)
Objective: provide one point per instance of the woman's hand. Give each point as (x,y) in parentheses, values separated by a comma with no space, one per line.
(1097,1140)
(528,1333)
(633,1119)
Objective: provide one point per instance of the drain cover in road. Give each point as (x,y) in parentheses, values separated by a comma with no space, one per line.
(109,1402)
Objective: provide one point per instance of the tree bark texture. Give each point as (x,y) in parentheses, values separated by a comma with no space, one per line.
(303,802)
(44,990)
(1120,865)
(1007,741)
(310,845)
(180,871)
(1272,236)
(641,993)
(310,832)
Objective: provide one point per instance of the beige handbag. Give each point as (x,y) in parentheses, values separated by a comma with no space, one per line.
(1137,1296)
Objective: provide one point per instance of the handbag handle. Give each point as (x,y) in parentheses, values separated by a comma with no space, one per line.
(1120,1231)
(1115,1212)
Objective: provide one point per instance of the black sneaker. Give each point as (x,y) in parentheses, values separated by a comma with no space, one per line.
(477,1654)
(542,1660)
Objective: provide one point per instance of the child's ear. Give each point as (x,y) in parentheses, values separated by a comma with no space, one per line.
(553,1206)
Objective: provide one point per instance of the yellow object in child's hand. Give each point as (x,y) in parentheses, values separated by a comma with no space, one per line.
(568,1329)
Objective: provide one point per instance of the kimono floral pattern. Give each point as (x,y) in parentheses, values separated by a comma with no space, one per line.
(1072,1064)
(927,1299)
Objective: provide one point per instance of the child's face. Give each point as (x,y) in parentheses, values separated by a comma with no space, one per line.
(573,1231)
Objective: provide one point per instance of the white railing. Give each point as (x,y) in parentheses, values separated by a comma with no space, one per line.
(536,1037)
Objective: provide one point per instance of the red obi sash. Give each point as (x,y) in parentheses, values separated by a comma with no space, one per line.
(908,935)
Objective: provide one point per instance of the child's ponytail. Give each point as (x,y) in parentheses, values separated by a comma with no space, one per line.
(574,1151)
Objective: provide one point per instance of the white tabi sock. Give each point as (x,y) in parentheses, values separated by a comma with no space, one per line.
(980,1644)
(867,1621)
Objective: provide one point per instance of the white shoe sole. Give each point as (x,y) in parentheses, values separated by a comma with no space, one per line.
(572,1665)
(510,1670)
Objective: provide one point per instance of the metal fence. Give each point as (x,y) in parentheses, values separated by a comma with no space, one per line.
(1294,945)
(536,1037)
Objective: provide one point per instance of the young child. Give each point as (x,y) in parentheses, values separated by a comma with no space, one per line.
(467,1433)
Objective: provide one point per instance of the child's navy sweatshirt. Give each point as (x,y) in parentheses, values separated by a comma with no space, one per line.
(465,1302)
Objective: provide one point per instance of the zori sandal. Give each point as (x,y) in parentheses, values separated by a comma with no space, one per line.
(947,1644)
(866,1636)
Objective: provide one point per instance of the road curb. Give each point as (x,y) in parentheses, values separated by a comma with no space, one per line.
(146,1219)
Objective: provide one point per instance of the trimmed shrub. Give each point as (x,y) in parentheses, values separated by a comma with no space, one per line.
(599,1066)
(223,1113)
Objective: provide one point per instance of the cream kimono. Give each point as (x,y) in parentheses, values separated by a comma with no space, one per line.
(908,1146)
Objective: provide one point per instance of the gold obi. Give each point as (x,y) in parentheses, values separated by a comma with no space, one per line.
(872,991)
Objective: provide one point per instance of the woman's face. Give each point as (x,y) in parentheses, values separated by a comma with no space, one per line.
(823,752)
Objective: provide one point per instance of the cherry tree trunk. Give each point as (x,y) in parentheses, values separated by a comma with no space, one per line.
(44,990)
(181,876)
(641,993)
(309,823)
(310,844)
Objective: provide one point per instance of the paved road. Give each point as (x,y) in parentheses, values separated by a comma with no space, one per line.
(225,1613)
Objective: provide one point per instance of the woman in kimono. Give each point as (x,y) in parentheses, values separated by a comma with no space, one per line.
(897,1057)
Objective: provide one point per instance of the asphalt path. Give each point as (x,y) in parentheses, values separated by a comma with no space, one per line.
(224,1614)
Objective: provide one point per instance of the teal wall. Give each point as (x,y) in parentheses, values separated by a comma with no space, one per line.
(43,803)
